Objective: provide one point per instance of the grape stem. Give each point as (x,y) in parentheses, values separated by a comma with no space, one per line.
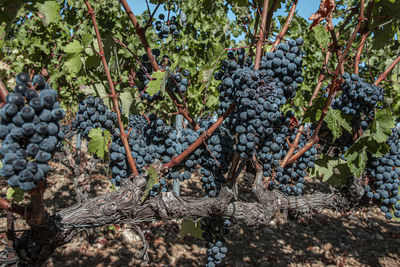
(203,137)
(269,18)
(10,234)
(113,95)
(141,33)
(387,71)
(150,20)
(260,41)
(365,31)
(286,26)
(334,85)
(295,143)
(3,91)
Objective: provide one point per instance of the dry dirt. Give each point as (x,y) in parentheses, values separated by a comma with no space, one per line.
(361,238)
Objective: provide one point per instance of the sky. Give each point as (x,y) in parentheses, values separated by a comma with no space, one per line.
(305,7)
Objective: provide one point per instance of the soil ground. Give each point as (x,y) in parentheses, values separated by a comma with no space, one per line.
(329,238)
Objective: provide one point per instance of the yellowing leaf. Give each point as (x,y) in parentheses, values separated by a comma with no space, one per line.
(189,227)
(15,193)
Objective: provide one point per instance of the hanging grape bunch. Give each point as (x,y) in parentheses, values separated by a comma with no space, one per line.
(93,113)
(384,173)
(166,27)
(358,99)
(30,131)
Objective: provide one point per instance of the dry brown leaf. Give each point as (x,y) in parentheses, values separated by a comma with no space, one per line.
(326,8)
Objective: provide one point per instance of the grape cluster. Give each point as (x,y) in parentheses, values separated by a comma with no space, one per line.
(137,122)
(30,131)
(153,140)
(229,66)
(165,28)
(140,151)
(290,179)
(93,113)
(358,99)
(257,112)
(257,101)
(178,81)
(258,123)
(213,231)
(284,66)
(384,174)
(215,158)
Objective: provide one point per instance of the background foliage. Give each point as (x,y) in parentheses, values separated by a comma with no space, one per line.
(56,38)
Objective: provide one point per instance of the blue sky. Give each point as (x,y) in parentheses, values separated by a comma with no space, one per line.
(305,7)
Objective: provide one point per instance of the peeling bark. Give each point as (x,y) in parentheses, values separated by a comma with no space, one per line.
(125,206)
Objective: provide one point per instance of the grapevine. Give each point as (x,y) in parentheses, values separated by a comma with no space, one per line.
(132,87)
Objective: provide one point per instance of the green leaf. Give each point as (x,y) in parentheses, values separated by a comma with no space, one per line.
(86,39)
(314,112)
(73,48)
(50,10)
(99,141)
(73,63)
(189,227)
(3,34)
(126,99)
(155,85)
(335,121)
(154,177)
(321,35)
(333,171)
(212,101)
(356,156)
(15,193)
(382,126)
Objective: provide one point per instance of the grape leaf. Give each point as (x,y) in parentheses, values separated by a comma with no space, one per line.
(356,156)
(126,99)
(50,11)
(314,112)
(86,39)
(189,227)
(321,36)
(99,141)
(334,171)
(154,177)
(382,126)
(157,83)
(335,121)
(73,63)
(73,48)
(15,193)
